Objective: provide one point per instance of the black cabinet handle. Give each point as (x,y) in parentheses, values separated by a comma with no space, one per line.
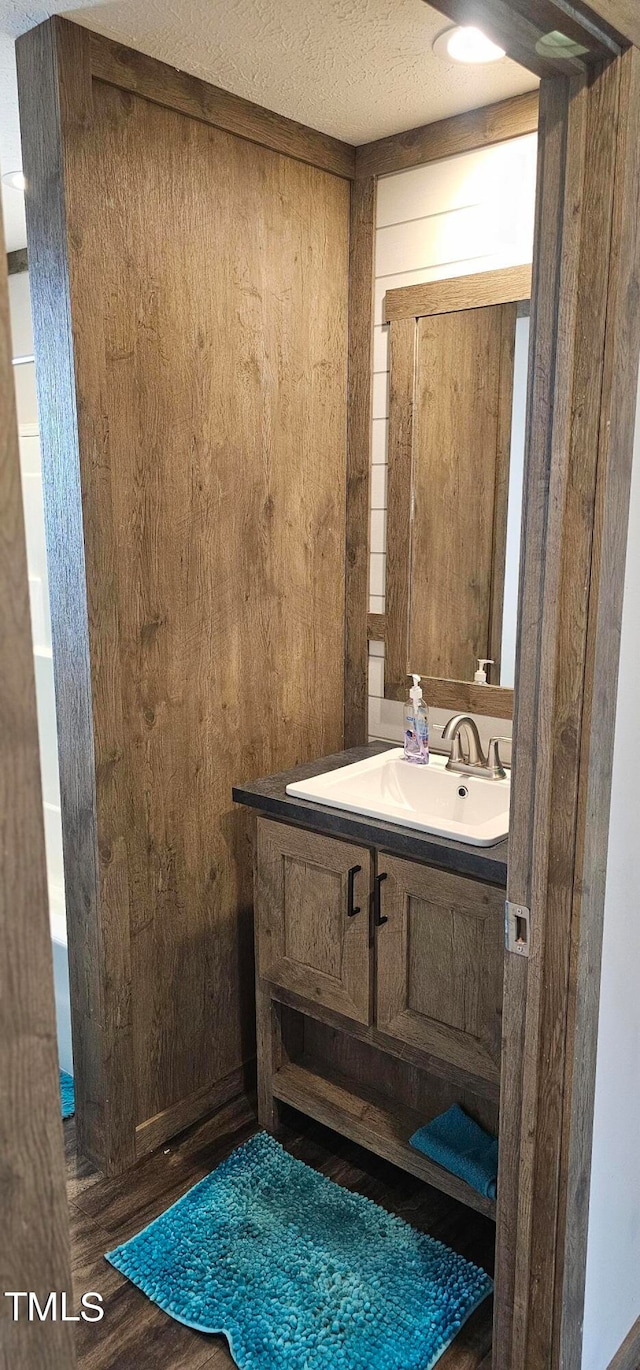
(378,917)
(351,909)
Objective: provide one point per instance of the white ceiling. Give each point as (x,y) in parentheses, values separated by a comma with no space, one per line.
(357,69)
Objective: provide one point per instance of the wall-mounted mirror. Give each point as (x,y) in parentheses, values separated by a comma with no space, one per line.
(458,352)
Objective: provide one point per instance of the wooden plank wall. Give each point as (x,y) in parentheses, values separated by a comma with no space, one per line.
(196,525)
(361,266)
(35,1246)
(455,522)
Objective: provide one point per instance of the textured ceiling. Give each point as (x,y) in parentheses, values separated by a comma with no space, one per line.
(358,69)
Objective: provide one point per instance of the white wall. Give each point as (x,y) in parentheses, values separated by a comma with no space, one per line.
(24,375)
(469,213)
(613,1253)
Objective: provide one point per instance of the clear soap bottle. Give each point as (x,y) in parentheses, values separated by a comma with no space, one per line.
(416,726)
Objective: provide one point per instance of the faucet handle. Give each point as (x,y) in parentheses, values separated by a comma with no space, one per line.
(494,761)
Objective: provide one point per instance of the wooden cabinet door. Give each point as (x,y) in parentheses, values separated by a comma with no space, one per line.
(310,939)
(440,964)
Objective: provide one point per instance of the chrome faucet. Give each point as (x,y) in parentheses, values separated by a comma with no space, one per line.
(469,758)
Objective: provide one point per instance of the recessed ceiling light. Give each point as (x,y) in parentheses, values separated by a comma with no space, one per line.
(467,44)
(15,179)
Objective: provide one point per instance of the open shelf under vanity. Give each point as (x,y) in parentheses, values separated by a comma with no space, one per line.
(367,1117)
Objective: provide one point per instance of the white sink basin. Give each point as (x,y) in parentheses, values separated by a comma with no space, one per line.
(430,798)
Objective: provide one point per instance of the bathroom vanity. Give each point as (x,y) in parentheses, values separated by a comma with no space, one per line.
(379,954)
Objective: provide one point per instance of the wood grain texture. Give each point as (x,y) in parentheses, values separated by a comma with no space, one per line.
(307,940)
(376,627)
(627,1357)
(450,402)
(621,17)
(402,400)
(211,401)
(519,25)
(359,1114)
(483,127)
(564,642)
(463,696)
(617,428)
(269,1051)
(17,261)
(35,1248)
(50,159)
(435,1038)
(144,76)
(460,1079)
(529,756)
(586,265)
(465,1351)
(476,291)
(361,300)
(105,1212)
(462,432)
(153,1131)
(136,1332)
(439,963)
(504,418)
(378,1063)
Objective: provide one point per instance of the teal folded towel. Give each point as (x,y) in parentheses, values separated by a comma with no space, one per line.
(454,1141)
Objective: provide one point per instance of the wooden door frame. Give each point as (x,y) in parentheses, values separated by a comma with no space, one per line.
(581,419)
(36,1254)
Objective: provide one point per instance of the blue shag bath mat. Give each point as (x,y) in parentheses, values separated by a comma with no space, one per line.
(300,1274)
(67,1094)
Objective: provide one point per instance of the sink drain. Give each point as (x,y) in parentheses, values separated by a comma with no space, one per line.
(462,792)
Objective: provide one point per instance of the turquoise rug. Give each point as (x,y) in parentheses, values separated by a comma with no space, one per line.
(300,1274)
(67,1094)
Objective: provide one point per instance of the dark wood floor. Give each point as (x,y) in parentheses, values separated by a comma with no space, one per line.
(135,1335)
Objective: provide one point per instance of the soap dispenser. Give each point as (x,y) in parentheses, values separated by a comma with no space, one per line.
(416,726)
(480,677)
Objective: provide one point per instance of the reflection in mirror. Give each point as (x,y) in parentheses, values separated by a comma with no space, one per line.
(457,401)
(514,508)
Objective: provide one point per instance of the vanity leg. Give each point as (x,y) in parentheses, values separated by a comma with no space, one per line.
(270,1055)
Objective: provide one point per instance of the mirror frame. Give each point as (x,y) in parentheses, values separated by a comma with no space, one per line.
(403,308)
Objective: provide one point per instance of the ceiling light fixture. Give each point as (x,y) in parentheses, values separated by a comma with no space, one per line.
(15,179)
(467,44)
(557,44)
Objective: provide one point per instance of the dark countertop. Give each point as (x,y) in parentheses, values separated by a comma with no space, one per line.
(270,797)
